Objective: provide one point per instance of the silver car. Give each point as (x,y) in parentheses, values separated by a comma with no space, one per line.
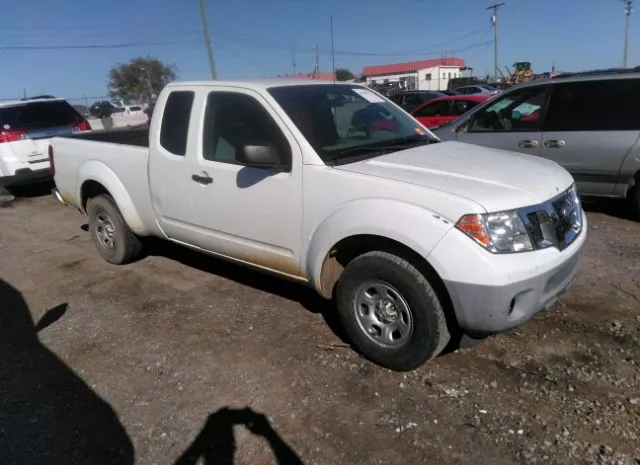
(587,122)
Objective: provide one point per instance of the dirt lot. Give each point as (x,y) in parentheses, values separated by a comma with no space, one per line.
(156,362)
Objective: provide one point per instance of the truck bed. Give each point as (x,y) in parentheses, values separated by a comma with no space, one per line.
(138,136)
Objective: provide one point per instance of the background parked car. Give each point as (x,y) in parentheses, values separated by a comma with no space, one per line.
(26,127)
(412,99)
(446,109)
(102,109)
(480,89)
(586,122)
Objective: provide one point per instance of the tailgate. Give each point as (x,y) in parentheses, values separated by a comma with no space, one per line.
(33,147)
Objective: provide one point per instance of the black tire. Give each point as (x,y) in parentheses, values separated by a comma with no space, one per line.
(6,197)
(429,335)
(634,201)
(126,246)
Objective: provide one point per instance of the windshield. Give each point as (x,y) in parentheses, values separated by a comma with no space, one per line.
(340,121)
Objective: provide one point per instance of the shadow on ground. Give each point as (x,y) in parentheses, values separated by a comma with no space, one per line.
(612,207)
(305,296)
(49,415)
(216,445)
(29,191)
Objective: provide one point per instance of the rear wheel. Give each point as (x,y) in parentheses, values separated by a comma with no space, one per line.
(390,311)
(634,201)
(113,238)
(6,197)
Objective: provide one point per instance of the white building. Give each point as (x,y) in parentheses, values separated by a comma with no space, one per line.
(417,75)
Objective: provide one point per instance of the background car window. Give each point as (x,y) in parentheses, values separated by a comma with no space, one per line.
(233,120)
(460,107)
(412,100)
(38,115)
(517,111)
(175,122)
(595,106)
(433,109)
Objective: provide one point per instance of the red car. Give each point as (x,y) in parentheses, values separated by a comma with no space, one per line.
(442,110)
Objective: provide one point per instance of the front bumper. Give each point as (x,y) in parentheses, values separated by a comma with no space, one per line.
(513,288)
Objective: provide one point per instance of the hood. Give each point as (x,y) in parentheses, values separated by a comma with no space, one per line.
(495,179)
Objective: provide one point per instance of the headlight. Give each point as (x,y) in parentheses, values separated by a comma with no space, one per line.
(501,232)
(576,212)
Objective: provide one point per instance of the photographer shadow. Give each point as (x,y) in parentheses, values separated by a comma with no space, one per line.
(48,414)
(216,444)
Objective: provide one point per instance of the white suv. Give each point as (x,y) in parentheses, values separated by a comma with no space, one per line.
(25,129)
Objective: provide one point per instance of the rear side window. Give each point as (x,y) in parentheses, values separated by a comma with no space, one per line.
(175,122)
(38,115)
(595,106)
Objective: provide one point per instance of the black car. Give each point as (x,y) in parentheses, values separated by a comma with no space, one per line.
(410,100)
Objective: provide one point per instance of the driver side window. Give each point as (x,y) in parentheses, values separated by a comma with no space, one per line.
(233,120)
(517,111)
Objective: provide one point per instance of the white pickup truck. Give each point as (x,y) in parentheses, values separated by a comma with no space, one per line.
(334,186)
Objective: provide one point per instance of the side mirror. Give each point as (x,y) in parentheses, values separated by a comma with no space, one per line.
(259,154)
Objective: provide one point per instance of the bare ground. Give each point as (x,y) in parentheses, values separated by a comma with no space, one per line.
(159,359)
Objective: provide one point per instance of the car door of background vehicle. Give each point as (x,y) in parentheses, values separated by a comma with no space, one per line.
(248,213)
(590,128)
(511,121)
(433,114)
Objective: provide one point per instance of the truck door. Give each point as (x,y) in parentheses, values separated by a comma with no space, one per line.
(252,214)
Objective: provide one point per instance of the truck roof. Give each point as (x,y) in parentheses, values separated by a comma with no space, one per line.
(260,83)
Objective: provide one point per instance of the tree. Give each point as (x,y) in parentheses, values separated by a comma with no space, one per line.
(139,79)
(343,74)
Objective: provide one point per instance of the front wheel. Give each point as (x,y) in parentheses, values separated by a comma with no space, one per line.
(390,311)
(110,233)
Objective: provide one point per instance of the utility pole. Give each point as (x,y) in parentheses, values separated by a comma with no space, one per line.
(207,39)
(293,60)
(494,21)
(628,8)
(316,68)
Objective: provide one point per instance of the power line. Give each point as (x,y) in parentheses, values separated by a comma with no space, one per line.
(89,46)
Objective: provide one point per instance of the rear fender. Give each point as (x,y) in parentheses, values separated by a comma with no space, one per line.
(94,170)
(411,225)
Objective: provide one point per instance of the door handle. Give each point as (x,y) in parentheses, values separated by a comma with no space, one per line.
(202,179)
(554,144)
(528,144)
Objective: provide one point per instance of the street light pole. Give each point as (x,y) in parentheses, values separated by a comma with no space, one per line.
(207,39)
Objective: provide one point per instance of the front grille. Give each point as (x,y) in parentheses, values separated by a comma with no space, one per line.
(555,223)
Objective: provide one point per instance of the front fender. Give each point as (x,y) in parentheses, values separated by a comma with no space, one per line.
(97,171)
(408,224)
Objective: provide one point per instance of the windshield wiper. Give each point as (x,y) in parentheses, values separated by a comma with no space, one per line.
(380,148)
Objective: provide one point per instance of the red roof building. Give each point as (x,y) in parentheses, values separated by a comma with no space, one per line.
(411,66)
(432,74)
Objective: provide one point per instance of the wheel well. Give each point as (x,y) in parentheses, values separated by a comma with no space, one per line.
(351,247)
(89,190)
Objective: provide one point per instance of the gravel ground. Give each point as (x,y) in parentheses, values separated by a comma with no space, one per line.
(180,357)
